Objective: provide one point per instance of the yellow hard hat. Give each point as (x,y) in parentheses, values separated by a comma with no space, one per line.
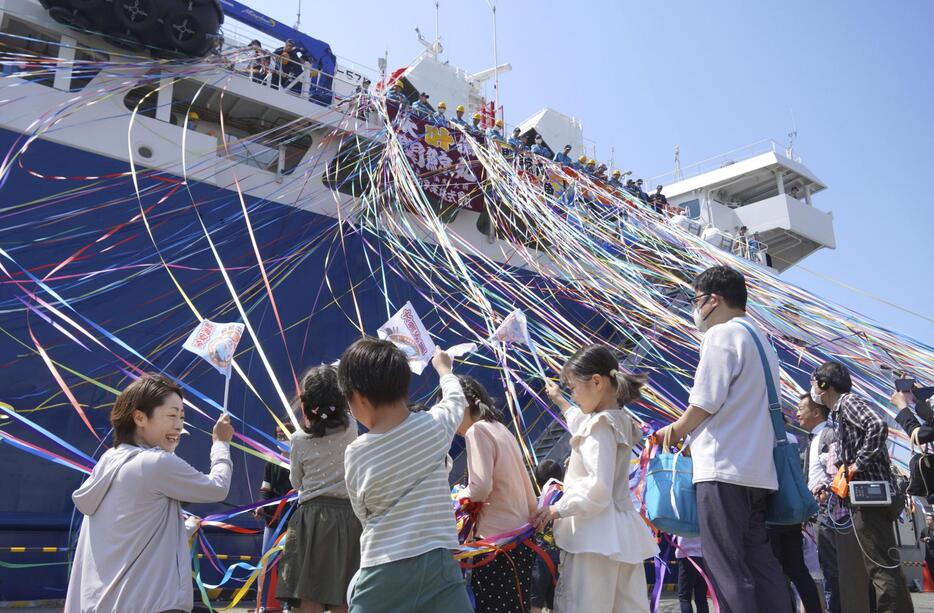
(442,105)
(460,108)
(591,162)
(193,115)
(582,159)
(397,84)
(616,173)
(477,116)
(499,123)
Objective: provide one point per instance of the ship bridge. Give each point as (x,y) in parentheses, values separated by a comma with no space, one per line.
(764,188)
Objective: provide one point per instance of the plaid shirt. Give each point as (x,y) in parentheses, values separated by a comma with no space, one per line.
(862,435)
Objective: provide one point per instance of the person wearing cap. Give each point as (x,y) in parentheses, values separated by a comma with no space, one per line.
(359,99)
(193,119)
(421,107)
(514,141)
(396,96)
(658,200)
(581,163)
(459,118)
(476,129)
(439,117)
(614,179)
(288,66)
(496,133)
(639,193)
(563,158)
(540,148)
(591,167)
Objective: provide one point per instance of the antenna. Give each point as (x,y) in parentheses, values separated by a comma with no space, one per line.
(678,174)
(437,20)
(298,17)
(790,150)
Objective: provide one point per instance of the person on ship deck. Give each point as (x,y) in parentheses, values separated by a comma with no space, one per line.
(563,158)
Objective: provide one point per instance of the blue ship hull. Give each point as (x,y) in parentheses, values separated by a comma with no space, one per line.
(44,222)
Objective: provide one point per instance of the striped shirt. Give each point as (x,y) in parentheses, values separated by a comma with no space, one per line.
(398,482)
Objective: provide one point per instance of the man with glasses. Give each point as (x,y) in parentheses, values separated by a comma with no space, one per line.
(862,434)
(731,445)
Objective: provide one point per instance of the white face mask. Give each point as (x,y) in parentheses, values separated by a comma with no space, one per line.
(815,396)
(699,322)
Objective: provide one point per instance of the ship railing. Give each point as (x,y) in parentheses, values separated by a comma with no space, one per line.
(240,59)
(723,160)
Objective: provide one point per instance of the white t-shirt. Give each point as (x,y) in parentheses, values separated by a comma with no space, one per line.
(734,444)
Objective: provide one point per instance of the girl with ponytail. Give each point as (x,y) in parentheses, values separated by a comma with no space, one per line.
(322,549)
(604,539)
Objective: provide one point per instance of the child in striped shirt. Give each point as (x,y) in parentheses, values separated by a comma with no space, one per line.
(397,482)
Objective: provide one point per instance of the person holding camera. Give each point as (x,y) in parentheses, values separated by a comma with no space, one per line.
(920,433)
(862,434)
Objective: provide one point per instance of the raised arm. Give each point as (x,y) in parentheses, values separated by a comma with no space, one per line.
(450,411)
(174,477)
(571,413)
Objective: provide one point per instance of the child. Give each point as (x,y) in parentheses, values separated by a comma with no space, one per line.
(398,486)
(132,552)
(691,584)
(322,548)
(498,479)
(603,538)
(542,594)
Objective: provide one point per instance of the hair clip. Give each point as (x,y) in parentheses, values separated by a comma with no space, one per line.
(314,411)
(614,373)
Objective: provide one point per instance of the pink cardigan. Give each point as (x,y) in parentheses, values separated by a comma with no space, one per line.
(497,478)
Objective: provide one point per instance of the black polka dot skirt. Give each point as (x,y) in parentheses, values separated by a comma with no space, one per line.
(502,586)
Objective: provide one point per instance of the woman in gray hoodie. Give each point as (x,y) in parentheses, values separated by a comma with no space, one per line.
(132,552)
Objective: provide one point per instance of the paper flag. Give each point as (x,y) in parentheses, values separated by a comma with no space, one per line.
(405,331)
(514,329)
(215,343)
(462,349)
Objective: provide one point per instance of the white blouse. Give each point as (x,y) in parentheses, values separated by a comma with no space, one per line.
(596,514)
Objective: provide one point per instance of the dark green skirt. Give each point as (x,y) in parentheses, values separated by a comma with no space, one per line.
(321,553)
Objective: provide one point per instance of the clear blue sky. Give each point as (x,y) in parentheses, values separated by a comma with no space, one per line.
(711,77)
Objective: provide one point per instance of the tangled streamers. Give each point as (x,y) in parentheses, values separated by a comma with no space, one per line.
(106,266)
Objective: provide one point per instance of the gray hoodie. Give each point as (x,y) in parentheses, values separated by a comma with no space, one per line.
(132,552)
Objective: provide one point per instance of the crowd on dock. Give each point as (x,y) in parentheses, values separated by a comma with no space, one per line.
(374,528)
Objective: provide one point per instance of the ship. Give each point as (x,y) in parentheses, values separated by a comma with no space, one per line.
(143,190)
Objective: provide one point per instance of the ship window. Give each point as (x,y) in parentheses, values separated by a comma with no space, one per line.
(136,96)
(86,66)
(29,52)
(692,208)
(257,134)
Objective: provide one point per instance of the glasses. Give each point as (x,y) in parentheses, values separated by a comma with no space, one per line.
(696,298)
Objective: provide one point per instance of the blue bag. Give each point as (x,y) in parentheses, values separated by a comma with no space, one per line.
(669,498)
(793,502)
